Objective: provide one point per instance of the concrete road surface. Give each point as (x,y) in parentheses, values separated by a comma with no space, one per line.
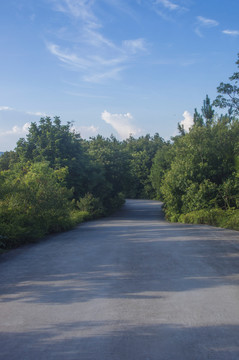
(128,287)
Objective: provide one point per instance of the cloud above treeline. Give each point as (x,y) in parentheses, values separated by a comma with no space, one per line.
(121,123)
(187,122)
(86,131)
(33,113)
(17,130)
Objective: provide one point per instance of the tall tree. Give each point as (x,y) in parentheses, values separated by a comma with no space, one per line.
(60,146)
(229,94)
(207,110)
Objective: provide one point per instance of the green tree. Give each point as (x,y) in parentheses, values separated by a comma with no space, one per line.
(229,94)
(142,152)
(7,159)
(207,110)
(113,162)
(33,202)
(60,146)
(203,163)
(197,118)
(161,164)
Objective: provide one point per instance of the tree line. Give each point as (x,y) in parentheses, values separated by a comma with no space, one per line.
(54,179)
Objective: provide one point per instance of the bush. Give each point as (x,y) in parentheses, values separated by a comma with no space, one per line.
(90,205)
(34,202)
(217,217)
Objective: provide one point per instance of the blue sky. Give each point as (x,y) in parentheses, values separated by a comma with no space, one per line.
(112,66)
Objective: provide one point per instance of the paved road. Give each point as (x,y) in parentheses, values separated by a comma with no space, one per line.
(129,287)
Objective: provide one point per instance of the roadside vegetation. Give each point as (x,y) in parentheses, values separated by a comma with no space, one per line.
(197,175)
(54,179)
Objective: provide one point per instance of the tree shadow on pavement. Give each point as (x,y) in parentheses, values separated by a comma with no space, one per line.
(117,258)
(114,341)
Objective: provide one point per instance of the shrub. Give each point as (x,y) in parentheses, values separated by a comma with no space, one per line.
(217,217)
(34,202)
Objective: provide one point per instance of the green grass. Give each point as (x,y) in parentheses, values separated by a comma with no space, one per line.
(228,219)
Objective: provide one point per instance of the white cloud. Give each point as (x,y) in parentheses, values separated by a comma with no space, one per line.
(68,57)
(207,22)
(5,108)
(37,113)
(203,22)
(133,46)
(168,4)
(122,123)
(231,32)
(165,8)
(89,52)
(96,39)
(97,67)
(187,122)
(86,131)
(98,77)
(16,130)
(77,8)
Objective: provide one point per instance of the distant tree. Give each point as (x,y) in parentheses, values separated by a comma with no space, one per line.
(181,129)
(197,118)
(112,162)
(142,152)
(7,159)
(207,110)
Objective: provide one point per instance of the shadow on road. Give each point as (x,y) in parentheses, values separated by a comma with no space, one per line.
(157,342)
(128,287)
(122,258)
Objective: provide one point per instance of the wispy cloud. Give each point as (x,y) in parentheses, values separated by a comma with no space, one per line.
(95,56)
(85,94)
(168,4)
(5,108)
(122,123)
(100,76)
(133,46)
(34,113)
(231,32)
(77,8)
(203,23)
(37,113)
(187,122)
(207,22)
(165,8)
(68,58)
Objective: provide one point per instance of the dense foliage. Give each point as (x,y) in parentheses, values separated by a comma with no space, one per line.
(202,173)
(54,179)
(197,175)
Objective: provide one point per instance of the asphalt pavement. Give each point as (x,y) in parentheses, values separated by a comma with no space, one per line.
(128,287)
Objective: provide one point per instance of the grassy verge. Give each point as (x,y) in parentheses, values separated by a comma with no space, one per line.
(228,219)
(29,235)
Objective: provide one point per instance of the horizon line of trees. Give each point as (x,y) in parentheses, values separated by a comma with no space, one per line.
(54,179)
